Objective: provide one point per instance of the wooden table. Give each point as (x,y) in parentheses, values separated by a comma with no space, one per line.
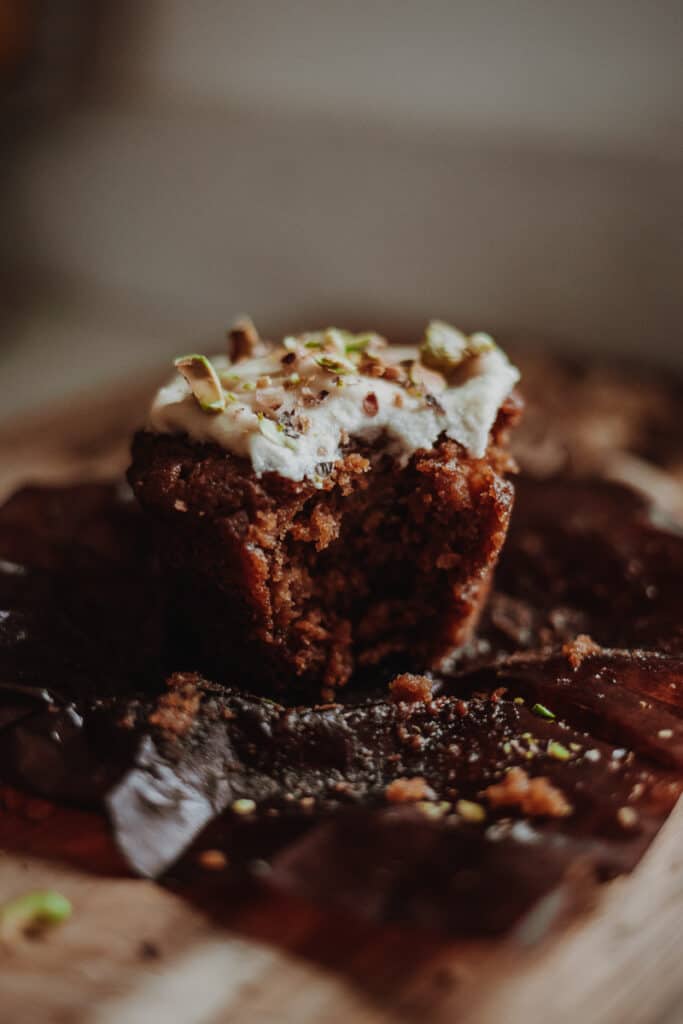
(135,952)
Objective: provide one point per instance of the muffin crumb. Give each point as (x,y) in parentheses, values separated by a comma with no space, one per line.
(581,647)
(534,796)
(176,710)
(411,689)
(405,791)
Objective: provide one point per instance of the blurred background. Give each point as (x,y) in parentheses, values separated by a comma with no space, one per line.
(166,164)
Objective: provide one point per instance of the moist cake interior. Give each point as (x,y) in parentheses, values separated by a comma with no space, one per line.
(384,562)
(380,561)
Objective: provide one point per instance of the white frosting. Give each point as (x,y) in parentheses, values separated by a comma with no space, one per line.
(323,409)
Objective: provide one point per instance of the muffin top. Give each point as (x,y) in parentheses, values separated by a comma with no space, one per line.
(292,407)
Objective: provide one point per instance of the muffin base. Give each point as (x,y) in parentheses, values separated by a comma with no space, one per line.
(275,581)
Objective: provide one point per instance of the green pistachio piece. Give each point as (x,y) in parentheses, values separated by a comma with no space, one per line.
(200,374)
(337,341)
(32,910)
(333,365)
(347,343)
(543,712)
(470,811)
(558,751)
(243,340)
(244,806)
(445,348)
(334,340)
(433,809)
(275,433)
(480,342)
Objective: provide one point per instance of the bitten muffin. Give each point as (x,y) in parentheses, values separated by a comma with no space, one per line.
(329,502)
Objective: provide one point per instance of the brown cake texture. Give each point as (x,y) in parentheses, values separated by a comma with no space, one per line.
(279,580)
(288,582)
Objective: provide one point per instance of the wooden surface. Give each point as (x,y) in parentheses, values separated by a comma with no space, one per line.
(135,952)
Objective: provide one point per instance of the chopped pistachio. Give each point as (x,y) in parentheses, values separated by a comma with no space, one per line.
(248,385)
(34,909)
(358,342)
(576,747)
(507,747)
(518,700)
(200,374)
(339,341)
(470,811)
(334,340)
(275,432)
(268,428)
(480,342)
(355,343)
(292,380)
(317,339)
(558,751)
(433,809)
(333,365)
(243,339)
(445,348)
(244,806)
(543,712)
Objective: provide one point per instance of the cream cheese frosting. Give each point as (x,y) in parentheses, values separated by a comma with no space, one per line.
(291,408)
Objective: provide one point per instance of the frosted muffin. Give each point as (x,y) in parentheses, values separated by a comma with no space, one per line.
(331,501)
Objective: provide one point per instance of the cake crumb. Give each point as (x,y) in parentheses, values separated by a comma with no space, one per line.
(176,710)
(405,791)
(213,860)
(410,689)
(581,647)
(534,796)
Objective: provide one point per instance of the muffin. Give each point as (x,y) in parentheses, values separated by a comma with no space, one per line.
(329,502)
